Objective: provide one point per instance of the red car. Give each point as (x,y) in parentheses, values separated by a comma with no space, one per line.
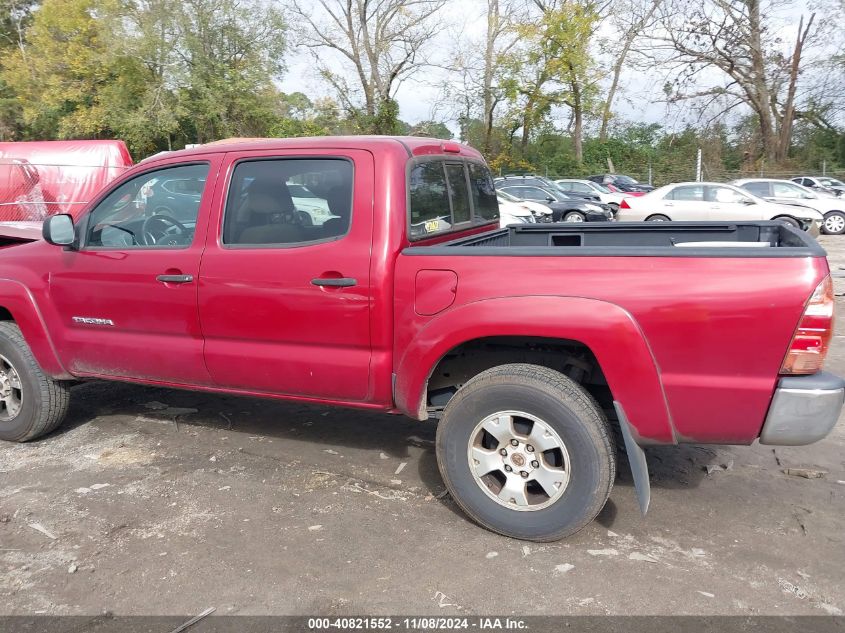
(531,345)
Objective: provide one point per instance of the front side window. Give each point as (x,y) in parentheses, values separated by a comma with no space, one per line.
(783,190)
(534,193)
(288,201)
(725,195)
(154,210)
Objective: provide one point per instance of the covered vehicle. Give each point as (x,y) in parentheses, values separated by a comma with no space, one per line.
(42,178)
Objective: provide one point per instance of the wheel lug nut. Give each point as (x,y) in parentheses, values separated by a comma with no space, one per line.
(514,442)
(535,464)
(503,452)
(508,468)
(524,474)
(529,448)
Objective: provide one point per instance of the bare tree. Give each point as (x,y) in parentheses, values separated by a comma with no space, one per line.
(382,40)
(474,68)
(630,19)
(735,38)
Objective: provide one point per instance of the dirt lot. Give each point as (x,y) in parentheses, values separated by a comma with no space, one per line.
(161,502)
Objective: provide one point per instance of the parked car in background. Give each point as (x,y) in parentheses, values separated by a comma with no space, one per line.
(572,186)
(713,201)
(514,213)
(42,178)
(542,181)
(621,183)
(787,192)
(823,183)
(542,211)
(564,208)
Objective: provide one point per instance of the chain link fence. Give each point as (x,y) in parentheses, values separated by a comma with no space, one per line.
(686,173)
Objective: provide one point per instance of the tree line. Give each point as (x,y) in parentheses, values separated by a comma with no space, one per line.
(534,84)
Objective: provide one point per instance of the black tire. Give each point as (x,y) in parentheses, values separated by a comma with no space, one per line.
(44,401)
(568,410)
(574,216)
(789,220)
(834,223)
(658,217)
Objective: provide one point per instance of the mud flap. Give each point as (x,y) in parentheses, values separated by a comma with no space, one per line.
(636,457)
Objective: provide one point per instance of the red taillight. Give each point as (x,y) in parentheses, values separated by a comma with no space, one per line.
(624,204)
(809,344)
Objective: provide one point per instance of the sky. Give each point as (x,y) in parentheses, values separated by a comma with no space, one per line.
(639,99)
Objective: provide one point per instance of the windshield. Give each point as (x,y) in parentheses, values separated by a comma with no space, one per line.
(831,182)
(506,196)
(598,187)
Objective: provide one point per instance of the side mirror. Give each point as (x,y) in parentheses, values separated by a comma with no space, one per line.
(549,199)
(59,231)
(748,201)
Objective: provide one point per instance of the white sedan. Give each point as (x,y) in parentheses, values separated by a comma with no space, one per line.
(514,213)
(713,201)
(831,207)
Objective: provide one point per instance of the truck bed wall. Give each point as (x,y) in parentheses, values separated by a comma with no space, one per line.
(718,328)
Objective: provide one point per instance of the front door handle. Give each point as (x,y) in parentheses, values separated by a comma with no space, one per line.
(175,279)
(335,282)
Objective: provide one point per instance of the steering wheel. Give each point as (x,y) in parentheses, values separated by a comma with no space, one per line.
(173,230)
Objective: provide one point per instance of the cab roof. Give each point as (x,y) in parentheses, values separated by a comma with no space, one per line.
(413,145)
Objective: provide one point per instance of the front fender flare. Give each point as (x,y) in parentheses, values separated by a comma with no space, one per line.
(608,330)
(18,300)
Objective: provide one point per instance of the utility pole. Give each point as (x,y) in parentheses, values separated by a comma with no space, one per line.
(698,166)
(824,168)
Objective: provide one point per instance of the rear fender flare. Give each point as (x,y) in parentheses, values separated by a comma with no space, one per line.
(608,330)
(18,300)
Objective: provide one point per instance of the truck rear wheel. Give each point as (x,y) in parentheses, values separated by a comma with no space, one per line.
(526,452)
(31,403)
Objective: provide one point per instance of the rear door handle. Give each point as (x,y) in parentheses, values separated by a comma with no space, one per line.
(175,279)
(335,282)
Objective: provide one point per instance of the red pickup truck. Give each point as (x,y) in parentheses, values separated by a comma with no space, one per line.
(371,272)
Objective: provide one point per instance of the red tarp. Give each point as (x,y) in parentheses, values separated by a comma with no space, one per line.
(42,178)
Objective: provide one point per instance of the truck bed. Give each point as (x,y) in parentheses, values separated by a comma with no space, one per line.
(636,239)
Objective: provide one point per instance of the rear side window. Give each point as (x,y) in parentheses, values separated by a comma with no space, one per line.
(288,201)
(447,194)
(688,192)
(757,188)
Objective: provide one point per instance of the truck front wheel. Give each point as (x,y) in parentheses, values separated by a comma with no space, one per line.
(526,452)
(31,403)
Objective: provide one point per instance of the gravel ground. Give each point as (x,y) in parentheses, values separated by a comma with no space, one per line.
(151,501)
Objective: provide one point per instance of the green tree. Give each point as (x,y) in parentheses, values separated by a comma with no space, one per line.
(550,67)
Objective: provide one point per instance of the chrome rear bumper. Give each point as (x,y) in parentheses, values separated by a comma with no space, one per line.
(804,409)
